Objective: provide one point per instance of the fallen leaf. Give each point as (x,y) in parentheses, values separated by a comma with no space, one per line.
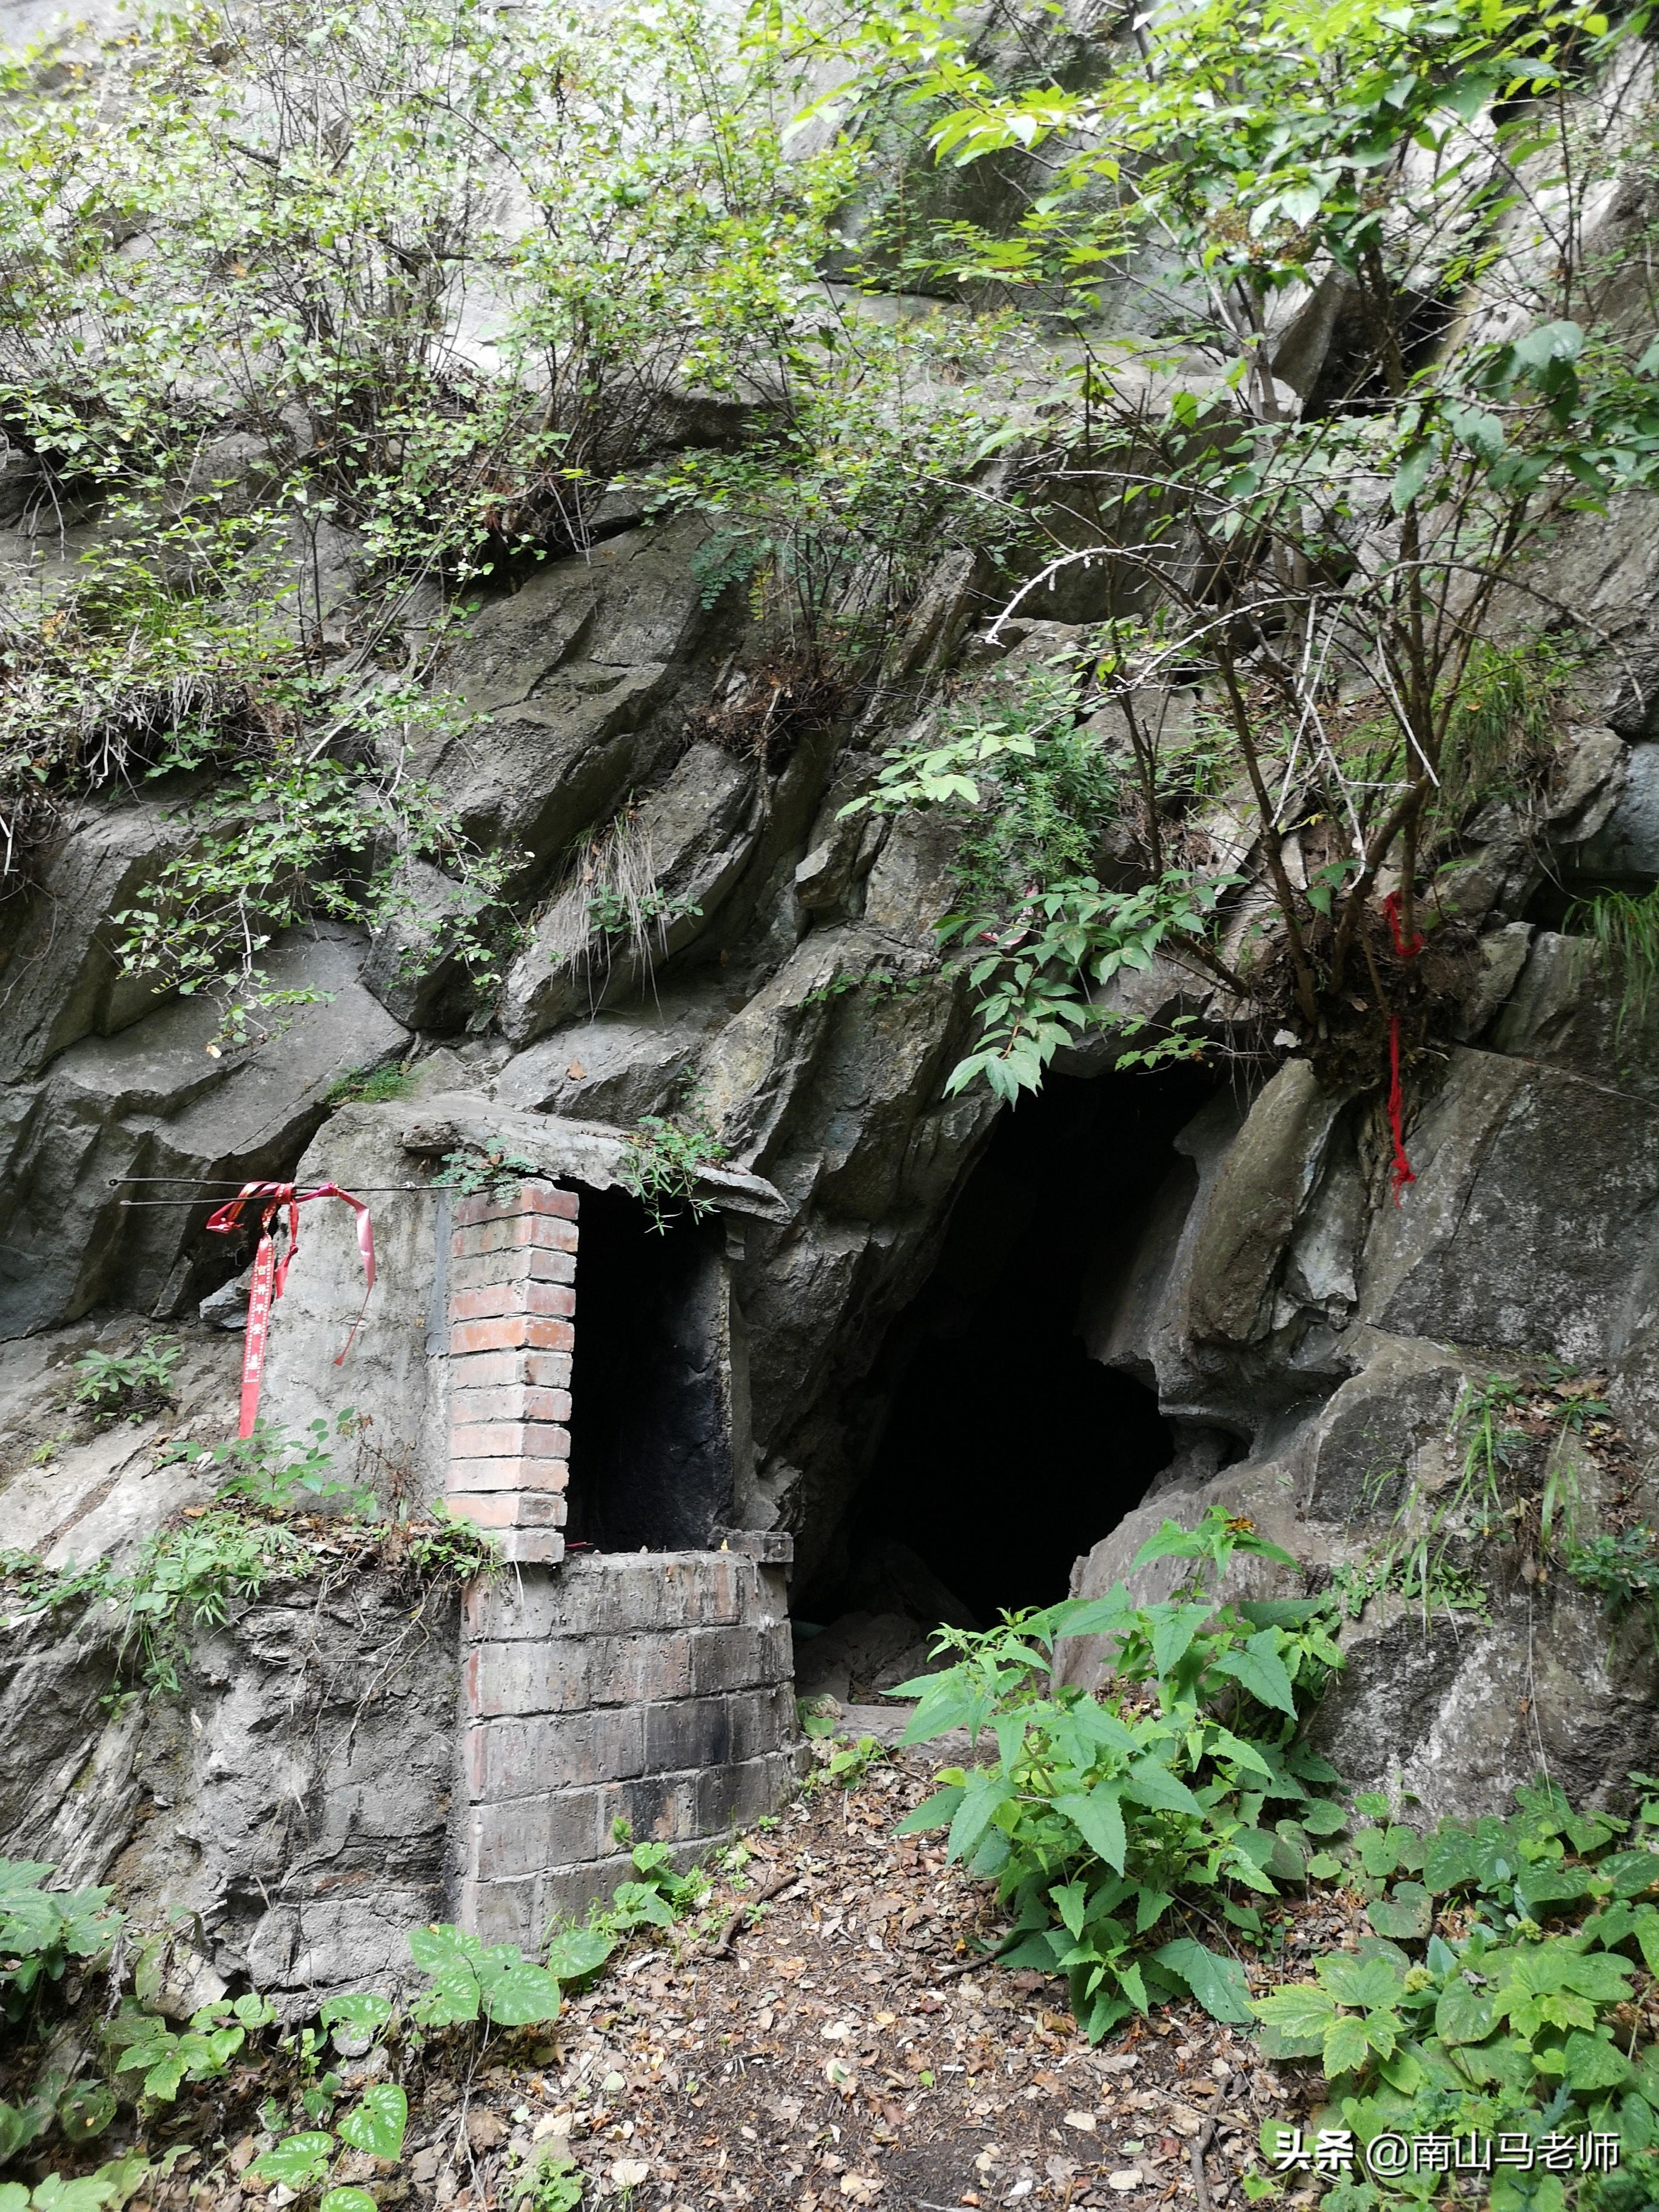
(630,2173)
(1083,2120)
(1183,2120)
(862,2188)
(1127,2178)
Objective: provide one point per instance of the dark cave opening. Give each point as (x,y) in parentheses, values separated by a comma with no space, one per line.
(650,1425)
(1005,1450)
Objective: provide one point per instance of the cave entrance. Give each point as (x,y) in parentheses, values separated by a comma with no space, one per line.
(1002,1449)
(650,1383)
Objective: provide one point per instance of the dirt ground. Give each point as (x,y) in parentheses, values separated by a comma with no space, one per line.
(845,2051)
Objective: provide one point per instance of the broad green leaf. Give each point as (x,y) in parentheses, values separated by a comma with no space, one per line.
(1217,1982)
(1096,1616)
(1258,1669)
(298,2161)
(1151,1782)
(935,1812)
(1320,1817)
(1448,1861)
(1173,1628)
(1241,1752)
(363,2012)
(1347,2045)
(1632,1874)
(1463,2014)
(1298,2014)
(575,1952)
(438,1948)
(516,1994)
(453,1998)
(946,1703)
(376,2124)
(1410,476)
(1594,2063)
(985,1792)
(348,2200)
(1379,1853)
(14,2197)
(1092,1721)
(1406,1911)
(1098,1815)
(89,2194)
(85,2111)
(1369,1982)
(637,1902)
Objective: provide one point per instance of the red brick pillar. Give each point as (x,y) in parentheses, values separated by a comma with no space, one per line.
(511,1298)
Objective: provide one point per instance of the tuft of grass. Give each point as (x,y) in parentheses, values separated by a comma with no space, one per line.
(372,1086)
(1625,926)
(1502,725)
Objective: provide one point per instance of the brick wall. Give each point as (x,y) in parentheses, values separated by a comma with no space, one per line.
(511,1296)
(651,1686)
(655,1687)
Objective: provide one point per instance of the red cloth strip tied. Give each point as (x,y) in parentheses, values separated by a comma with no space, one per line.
(1403,1170)
(270,1274)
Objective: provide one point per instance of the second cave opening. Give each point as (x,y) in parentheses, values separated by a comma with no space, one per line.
(1002,1450)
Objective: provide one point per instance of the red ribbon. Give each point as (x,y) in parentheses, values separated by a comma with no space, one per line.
(270,1273)
(1403,1170)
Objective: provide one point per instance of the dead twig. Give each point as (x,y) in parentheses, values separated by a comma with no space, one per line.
(1201,2143)
(721,1948)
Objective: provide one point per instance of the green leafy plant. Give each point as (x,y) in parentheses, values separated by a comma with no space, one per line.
(259,1530)
(375,2125)
(155,2062)
(477,1170)
(664,1166)
(549,2181)
(105,2189)
(472,1981)
(1071,941)
(1622,1568)
(278,1473)
(114,1386)
(1118,1827)
(849,1762)
(41,1931)
(1236,158)
(43,1935)
(1512,2012)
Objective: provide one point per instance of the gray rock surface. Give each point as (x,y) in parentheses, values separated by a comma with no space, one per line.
(296,1797)
(151,1102)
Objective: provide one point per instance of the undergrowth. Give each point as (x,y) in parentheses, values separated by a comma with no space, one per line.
(138,2060)
(1126,1833)
(263,1528)
(664,1165)
(1504,1993)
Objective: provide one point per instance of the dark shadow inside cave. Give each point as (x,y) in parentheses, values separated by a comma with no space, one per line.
(1003,1451)
(650,1426)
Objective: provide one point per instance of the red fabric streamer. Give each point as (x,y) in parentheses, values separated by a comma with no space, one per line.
(270,1273)
(1403,1170)
(1391,908)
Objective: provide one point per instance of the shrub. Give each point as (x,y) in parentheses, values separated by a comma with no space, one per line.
(1110,1822)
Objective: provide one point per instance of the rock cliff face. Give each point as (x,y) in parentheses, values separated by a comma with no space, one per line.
(1221,1255)
(1306,1339)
